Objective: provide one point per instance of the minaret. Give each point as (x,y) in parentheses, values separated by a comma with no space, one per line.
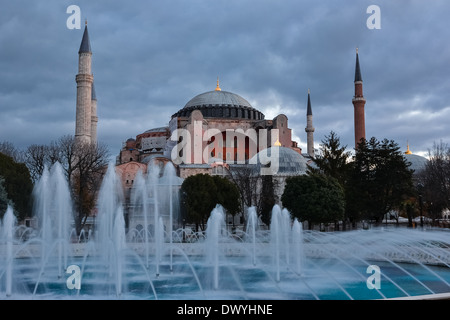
(358,104)
(309,129)
(84,81)
(94,118)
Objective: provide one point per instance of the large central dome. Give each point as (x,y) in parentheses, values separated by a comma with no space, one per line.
(221,98)
(220,104)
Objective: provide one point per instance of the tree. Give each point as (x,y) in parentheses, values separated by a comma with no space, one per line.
(266,199)
(202,192)
(246,181)
(18,185)
(200,195)
(434,180)
(84,166)
(36,160)
(316,198)
(7,148)
(85,176)
(4,201)
(227,195)
(379,181)
(254,189)
(333,161)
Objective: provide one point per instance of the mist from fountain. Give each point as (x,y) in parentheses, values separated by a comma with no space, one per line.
(7,230)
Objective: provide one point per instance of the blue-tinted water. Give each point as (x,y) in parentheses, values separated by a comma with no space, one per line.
(322,279)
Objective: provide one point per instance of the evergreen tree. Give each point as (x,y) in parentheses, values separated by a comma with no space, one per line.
(379,181)
(18,185)
(200,196)
(267,199)
(4,201)
(227,195)
(202,192)
(333,159)
(316,198)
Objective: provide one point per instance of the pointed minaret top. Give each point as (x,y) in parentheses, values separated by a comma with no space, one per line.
(357,69)
(85,46)
(309,110)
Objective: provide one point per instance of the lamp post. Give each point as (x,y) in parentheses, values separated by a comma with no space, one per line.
(420,190)
(184,230)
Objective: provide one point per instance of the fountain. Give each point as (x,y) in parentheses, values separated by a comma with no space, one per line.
(152,261)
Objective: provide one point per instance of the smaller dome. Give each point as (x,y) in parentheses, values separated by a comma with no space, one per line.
(417,162)
(290,163)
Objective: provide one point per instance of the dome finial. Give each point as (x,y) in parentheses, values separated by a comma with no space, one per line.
(277,143)
(218,88)
(407,149)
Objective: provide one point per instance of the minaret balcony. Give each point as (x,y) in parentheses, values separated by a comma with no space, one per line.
(84,77)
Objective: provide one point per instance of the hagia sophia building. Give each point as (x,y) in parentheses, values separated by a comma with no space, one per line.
(212,132)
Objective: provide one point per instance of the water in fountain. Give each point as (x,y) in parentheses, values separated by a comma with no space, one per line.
(214,231)
(297,245)
(284,262)
(6,234)
(252,229)
(53,208)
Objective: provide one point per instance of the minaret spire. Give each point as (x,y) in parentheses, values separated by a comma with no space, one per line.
(85,46)
(309,128)
(358,103)
(357,68)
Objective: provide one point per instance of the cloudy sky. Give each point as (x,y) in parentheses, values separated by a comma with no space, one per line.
(151,57)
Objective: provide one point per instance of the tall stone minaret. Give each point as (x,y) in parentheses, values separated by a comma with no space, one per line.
(309,128)
(85,80)
(358,104)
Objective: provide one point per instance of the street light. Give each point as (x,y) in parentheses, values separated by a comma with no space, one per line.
(420,190)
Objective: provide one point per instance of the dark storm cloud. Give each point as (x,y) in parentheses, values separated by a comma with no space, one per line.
(151,57)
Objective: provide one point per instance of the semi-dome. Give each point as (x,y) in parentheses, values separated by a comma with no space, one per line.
(220,104)
(290,163)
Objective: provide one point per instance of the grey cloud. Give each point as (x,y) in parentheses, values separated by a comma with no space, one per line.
(151,57)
